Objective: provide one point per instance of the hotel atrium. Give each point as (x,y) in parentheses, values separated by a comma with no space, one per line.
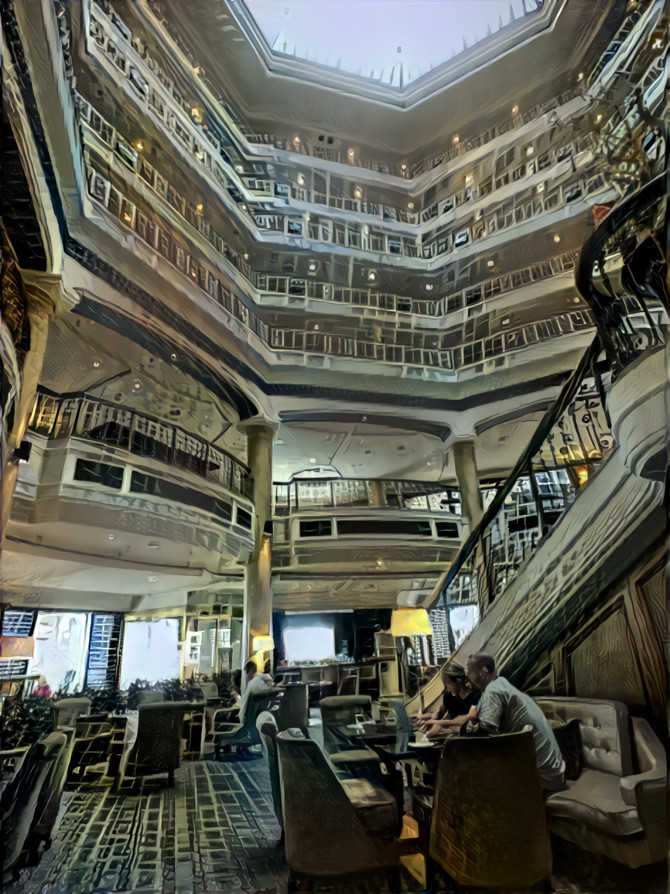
(333,353)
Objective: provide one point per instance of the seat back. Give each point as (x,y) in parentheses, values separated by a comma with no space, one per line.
(246,733)
(293,708)
(25,797)
(210,691)
(157,746)
(488,826)
(267,729)
(91,744)
(349,684)
(324,836)
(66,710)
(338,712)
(146,697)
(603,726)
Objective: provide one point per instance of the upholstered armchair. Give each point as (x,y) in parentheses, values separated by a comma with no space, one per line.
(332,828)
(66,710)
(239,735)
(293,710)
(610,808)
(90,747)
(157,745)
(267,729)
(488,825)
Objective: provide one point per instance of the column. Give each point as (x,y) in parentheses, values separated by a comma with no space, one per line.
(377,496)
(468,482)
(258,573)
(39,313)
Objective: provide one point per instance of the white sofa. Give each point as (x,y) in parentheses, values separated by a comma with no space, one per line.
(617,806)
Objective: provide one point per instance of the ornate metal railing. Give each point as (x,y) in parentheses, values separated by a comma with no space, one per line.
(622,273)
(79,416)
(314,494)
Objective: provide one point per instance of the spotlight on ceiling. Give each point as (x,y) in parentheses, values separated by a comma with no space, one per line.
(557,238)
(372,275)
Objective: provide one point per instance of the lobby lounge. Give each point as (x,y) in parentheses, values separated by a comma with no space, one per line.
(333,354)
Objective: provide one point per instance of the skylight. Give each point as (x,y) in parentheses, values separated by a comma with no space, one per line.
(392,43)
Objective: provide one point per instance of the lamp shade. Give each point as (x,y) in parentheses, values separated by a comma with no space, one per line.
(410,622)
(262,644)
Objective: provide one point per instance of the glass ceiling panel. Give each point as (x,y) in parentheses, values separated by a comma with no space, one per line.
(391,42)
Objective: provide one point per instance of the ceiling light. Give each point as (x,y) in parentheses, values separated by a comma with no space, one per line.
(429,287)
(312,459)
(301,179)
(468,178)
(312,266)
(515,110)
(380,563)
(153,544)
(139,145)
(580,76)
(557,238)
(490,263)
(372,275)
(350,153)
(505,322)
(316,327)
(410,206)
(246,255)
(296,140)
(455,140)
(403,167)
(599,118)
(358,192)
(529,151)
(173,357)
(198,207)
(96,364)
(152,578)
(137,384)
(364,418)
(111,536)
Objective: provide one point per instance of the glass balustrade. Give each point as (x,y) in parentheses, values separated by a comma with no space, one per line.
(356,493)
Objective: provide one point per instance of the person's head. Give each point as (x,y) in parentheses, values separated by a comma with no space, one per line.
(481,669)
(250,669)
(453,679)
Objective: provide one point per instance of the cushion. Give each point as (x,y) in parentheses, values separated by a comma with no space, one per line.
(376,808)
(603,727)
(595,800)
(569,741)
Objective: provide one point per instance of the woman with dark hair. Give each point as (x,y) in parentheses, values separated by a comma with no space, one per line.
(457,706)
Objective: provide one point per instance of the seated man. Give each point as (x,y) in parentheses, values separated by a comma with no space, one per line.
(505,709)
(257,683)
(457,707)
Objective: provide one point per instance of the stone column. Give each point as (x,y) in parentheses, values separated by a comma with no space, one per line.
(39,313)
(468,482)
(258,573)
(377,496)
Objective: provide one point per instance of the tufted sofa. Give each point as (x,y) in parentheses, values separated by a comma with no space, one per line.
(616,806)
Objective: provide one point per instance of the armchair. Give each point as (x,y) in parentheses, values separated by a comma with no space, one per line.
(66,710)
(239,735)
(293,710)
(332,828)
(156,748)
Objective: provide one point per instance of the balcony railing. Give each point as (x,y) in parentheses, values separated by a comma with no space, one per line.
(622,272)
(56,417)
(315,494)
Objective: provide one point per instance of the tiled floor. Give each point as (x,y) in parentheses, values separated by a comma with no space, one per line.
(214,832)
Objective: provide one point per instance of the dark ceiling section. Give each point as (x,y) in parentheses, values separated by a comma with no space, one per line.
(18,211)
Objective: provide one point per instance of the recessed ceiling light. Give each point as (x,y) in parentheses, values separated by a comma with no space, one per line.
(312,266)
(137,384)
(198,207)
(111,536)
(490,263)
(96,364)
(529,151)
(279,441)
(312,459)
(372,275)
(515,110)
(173,357)
(403,167)
(316,326)
(455,140)
(410,206)
(599,118)
(152,578)
(557,238)
(580,76)
(429,287)
(246,255)
(153,544)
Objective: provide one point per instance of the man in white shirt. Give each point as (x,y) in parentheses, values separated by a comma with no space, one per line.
(505,709)
(257,683)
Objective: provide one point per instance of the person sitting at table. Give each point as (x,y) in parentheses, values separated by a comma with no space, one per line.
(457,707)
(257,683)
(505,709)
